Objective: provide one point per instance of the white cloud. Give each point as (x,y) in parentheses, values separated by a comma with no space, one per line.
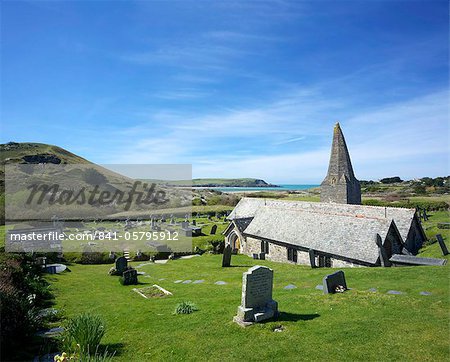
(382,142)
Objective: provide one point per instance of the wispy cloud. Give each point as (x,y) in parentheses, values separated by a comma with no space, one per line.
(296,139)
(216,143)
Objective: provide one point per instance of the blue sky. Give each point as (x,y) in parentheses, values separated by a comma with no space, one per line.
(238,89)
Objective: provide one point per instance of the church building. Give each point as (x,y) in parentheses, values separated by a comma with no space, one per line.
(336,232)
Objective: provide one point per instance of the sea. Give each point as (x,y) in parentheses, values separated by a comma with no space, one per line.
(252,189)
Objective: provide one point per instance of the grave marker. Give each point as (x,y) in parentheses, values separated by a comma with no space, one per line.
(121,265)
(332,281)
(257,303)
(213,229)
(442,244)
(129,277)
(226,259)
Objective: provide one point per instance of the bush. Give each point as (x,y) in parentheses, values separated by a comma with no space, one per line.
(22,292)
(95,257)
(428,205)
(85,330)
(185,308)
(391,180)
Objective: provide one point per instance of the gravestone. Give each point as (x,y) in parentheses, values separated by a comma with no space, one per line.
(194,222)
(226,259)
(121,265)
(332,281)
(257,303)
(262,256)
(442,244)
(130,277)
(213,229)
(443,225)
(290,286)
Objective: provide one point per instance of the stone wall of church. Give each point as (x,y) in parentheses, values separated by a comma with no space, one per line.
(278,253)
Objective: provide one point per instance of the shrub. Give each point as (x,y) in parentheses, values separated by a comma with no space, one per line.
(428,205)
(22,292)
(85,330)
(185,308)
(95,257)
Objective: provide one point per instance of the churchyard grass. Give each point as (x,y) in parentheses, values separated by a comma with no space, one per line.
(355,325)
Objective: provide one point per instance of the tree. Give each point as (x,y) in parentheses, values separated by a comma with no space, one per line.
(391,180)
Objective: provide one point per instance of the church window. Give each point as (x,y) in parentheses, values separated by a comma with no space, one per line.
(292,254)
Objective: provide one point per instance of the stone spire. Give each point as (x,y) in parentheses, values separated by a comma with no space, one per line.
(340,184)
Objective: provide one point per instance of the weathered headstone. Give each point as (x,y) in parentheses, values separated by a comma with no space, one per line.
(257,303)
(194,222)
(332,281)
(213,229)
(262,256)
(226,259)
(442,244)
(121,265)
(130,277)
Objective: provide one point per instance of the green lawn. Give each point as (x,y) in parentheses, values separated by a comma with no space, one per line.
(356,325)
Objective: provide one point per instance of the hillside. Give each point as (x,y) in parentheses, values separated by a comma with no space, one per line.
(33,153)
(222,182)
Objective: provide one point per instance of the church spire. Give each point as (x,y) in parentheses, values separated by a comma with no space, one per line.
(340,184)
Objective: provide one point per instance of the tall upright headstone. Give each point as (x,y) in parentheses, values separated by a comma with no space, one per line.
(256,303)
(226,259)
(340,185)
(213,229)
(121,265)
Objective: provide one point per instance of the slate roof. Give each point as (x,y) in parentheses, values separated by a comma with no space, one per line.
(248,207)
(347,236)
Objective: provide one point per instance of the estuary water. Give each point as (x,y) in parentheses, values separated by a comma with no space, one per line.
(251,189)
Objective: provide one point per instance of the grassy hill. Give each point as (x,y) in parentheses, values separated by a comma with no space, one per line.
(222,182)
(37,153)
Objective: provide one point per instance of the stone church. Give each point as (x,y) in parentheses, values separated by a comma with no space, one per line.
(336,232)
